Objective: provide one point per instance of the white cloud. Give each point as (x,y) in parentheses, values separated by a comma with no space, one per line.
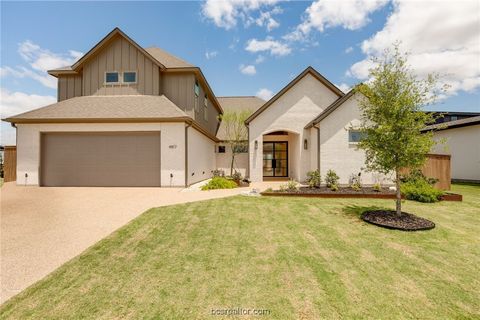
(264,94)
(441,37)
(344,87)
(260,59)
(322,14)
(248,70)
(39,60)
(12,103)
(276,48)
(210,54)
(226,13)
(349,50)
(266,19)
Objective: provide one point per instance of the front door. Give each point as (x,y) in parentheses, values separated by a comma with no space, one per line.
(275,159)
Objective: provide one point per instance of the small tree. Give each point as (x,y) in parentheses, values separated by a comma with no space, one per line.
(236,133)
(392,117)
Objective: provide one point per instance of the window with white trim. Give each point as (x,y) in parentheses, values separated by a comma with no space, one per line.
(354,136)
(111,77)
(129,77)
(196,89)
(205,108)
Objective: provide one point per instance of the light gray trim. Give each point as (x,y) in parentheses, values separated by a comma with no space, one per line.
(188,125)
(318,148)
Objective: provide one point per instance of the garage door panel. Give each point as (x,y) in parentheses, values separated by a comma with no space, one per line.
(101,159)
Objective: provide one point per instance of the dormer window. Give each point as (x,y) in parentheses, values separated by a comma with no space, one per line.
(129,77)
(111,77)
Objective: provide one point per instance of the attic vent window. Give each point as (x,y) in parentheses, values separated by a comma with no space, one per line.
(111,77)
(129,77)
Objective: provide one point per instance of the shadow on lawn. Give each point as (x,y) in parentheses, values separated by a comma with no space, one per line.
(356,211)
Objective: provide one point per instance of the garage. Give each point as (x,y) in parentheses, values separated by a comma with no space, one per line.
(100,159)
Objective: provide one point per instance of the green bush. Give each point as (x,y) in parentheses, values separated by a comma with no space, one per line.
(331,178)
(219,183)
(417,175)
(314,179)
(377,187)
(290,186)
(421,191)
(334,187)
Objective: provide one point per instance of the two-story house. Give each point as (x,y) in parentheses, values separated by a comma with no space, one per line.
(133,116)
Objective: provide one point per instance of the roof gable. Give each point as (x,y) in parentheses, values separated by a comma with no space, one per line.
(99,46)
(308,70)
(328,110)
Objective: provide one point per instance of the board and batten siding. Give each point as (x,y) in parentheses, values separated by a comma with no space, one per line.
(179,88)
(69,86)
(120,55)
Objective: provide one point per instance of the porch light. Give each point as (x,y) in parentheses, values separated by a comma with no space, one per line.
(305,144)
(256,144)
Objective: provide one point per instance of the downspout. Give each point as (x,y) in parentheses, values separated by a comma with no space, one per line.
(247,173)
(318,147)
(188,125)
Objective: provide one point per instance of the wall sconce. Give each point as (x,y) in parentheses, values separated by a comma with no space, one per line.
(305,144)
(256,144)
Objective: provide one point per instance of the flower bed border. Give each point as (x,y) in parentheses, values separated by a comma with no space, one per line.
(445,197)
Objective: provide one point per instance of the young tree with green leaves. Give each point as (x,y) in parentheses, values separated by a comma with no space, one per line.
(236,133)
(392,116)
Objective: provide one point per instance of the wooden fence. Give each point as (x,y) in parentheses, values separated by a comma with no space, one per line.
(10,163)
(438,166)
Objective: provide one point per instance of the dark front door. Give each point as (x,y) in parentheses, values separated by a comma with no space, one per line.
(275,159)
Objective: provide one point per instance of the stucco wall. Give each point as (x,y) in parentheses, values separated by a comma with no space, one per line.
(336,152)
(223,161)
(172,158)
(291,112)
(201,156)
(463,144)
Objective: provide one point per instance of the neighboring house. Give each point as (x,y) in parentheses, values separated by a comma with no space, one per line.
(129,116)
(447,116)
(461,140)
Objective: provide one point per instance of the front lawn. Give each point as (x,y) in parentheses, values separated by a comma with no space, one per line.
(296,258)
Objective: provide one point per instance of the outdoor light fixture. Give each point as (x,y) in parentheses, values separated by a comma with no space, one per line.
(305,144)
(256,144)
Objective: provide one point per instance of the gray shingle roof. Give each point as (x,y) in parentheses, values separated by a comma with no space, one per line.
(168,59)
(453,124)
(105,108)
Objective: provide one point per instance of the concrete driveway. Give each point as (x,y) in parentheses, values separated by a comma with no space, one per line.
(42,228)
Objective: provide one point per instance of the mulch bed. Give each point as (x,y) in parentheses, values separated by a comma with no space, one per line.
(345,190)
(389,219)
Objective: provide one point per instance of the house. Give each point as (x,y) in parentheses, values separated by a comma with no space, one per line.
(446,116)
(133,116)
(461,140)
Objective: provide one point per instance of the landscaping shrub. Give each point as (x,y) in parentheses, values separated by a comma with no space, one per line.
(314,179)
(420,190)
(331,178)
(219,183)
(417,175)
(355,181)
(237,176)
(290,186)
(218,173)
(334,187)
(377,187)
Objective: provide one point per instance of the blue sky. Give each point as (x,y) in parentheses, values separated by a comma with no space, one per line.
(270,41)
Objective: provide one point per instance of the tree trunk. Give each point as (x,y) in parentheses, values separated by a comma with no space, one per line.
(398,193)
(231,164)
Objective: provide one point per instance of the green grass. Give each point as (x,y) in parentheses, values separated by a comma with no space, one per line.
(299,258)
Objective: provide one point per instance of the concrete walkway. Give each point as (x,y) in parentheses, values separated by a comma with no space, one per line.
(42,228)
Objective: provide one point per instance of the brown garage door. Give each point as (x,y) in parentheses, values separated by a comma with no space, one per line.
(107,159)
